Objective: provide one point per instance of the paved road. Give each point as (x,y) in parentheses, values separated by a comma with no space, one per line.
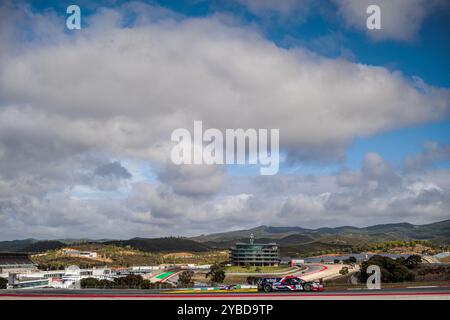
(314,271)
(441,293)
(317,271)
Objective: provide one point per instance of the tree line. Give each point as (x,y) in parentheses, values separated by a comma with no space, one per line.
(392,270)
(127,282)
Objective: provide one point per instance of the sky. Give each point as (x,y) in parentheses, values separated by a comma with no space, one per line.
(86,115)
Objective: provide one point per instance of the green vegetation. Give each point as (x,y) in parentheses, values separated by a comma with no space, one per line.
(216,273)
(294,242)
(399,246)
(301,242)
(59,263)
(432,272)
(185,278)
(128,282)
(344,271)
(350,260)
(30,245)
(350,236)
(252,280)
(3,283)
(391,270)
(170,244)
(409,270)
(413,260)
(113,256)
(313,249)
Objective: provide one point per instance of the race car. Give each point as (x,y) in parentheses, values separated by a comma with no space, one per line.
(228,287)
(288,283)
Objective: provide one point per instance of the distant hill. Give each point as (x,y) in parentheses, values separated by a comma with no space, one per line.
(170,244)
(16,245)
(30,245)
(438,232)
(301,249)
(288,240)
(292,240)
(43,246)
(258,232)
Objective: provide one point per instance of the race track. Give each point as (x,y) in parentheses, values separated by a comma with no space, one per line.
(314,271)
(436,292)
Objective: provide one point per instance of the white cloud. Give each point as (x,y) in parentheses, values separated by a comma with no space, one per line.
(400,19)
(127,89)
(193,180)
(433,152)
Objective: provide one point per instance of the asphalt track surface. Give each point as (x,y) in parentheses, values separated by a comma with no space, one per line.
(412,293)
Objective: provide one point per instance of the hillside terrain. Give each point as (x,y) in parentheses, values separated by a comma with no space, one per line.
(293,241)
(116,256)
(170,244)
(438,233)
(30,245)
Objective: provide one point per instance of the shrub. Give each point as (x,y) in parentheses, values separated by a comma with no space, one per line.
(89,283)
(251,280)
(391,270)
(3,283)
(185,278)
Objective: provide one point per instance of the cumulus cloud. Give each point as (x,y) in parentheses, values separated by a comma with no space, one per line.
(400,19)
(113,169)
(193,180)
(374,167)
(131,105)
(356,199)
(72,104)
(433,152)
(375,173)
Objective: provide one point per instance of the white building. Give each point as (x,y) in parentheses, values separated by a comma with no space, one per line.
(81,254)
(68,278)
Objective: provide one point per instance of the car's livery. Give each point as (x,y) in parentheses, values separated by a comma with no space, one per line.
(288,283)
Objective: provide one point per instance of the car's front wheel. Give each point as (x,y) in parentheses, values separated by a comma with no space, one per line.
(307,287)
(267,288)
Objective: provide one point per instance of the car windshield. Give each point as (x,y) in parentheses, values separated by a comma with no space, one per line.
(292,281)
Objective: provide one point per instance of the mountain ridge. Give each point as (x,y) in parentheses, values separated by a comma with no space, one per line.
(402,231)
(294,237)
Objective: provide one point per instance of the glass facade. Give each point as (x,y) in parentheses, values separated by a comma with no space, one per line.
(255,254)
(31,284)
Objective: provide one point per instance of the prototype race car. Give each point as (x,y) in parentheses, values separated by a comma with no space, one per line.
(288,283)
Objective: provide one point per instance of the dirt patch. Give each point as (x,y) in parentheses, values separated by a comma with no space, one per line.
(178,255)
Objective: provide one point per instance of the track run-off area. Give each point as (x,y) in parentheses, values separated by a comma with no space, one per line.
(434,293)
(313,271)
